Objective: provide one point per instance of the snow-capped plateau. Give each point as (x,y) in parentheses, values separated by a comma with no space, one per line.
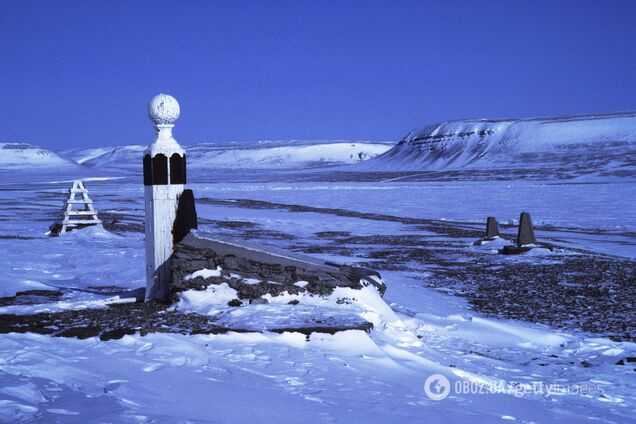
(23,155)
(295,154)
(603,144)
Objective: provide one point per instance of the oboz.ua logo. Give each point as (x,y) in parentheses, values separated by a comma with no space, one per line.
(437,387)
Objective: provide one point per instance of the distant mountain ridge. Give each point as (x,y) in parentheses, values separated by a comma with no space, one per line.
(24,155)
(239,155)
(564,147)
(602,143)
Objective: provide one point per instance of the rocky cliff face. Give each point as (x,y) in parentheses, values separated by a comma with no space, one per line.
(602,144)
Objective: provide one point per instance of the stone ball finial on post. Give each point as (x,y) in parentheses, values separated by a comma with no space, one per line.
(163,109)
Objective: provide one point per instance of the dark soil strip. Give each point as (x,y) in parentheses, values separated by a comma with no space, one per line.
(143,318)
(31,297)
(453,229)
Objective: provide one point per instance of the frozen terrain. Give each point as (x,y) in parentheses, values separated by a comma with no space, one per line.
(552,334)
(349,376)
(554,148)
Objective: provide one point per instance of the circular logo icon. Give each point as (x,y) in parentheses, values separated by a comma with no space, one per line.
(437,387)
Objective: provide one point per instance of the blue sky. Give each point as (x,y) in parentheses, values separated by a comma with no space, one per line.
(80,73)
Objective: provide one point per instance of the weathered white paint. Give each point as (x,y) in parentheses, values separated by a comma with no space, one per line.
(161,210)
(161,201)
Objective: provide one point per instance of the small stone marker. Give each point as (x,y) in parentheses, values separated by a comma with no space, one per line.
(492,227)
(492,231)
(525,235)
(83,216)
(526,239)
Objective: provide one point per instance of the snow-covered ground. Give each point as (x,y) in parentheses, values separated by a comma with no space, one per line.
(596,216)
(541,374)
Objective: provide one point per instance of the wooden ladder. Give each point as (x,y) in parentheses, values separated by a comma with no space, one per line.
(78,218)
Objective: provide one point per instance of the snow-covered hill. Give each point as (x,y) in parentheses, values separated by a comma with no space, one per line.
(284,154)
(22,155)
(84,154)
(125,159)
(240,155)
(605,144)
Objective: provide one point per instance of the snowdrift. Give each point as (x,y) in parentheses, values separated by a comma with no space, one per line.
(592,143)
(240,155)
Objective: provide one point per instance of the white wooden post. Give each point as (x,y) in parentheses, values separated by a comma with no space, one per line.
(164,179)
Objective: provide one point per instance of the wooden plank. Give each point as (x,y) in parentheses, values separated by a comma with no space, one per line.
(83,213)
(78,202)
(82,222)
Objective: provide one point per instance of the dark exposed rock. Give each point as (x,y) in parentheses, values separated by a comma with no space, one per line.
(116,333)
(229,224)
(278,271)
(111,322)
(255,291)
(332,234)
(267,234)
(12,237)
(589,292)
(121,222)
(80,332)
(365,326)
(234,303)
(31,297)
(357,273)
(144,318)
(628,360)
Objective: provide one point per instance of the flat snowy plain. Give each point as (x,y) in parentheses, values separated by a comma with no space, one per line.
(347,377)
